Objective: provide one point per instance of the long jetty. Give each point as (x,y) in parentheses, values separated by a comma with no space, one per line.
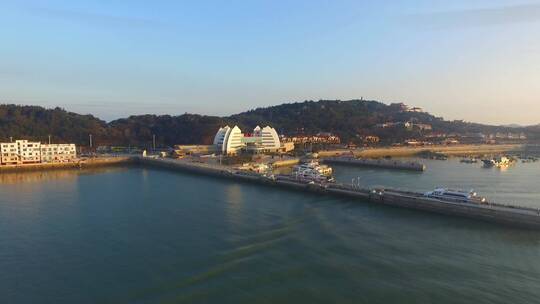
(508,215)
(377,163)
(456,150)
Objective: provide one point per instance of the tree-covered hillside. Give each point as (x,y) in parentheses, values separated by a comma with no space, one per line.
(353,117)
(37,123)
(348,119)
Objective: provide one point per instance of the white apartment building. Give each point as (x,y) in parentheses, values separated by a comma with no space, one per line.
(29,152)
(26,152)
(51,153)
(9,153)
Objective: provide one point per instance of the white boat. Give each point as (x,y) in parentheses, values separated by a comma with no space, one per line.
(314,165)
(497,162)
(455,195)
(311,175)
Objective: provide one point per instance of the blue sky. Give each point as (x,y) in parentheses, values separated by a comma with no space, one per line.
(473,60)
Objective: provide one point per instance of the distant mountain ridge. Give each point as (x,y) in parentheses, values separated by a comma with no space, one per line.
(513,126)
(349,119)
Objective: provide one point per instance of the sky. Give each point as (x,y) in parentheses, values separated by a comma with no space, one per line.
(472,60)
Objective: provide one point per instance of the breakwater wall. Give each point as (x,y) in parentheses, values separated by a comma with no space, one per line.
(377,163)
(79,164)
(456,150)
(490,212)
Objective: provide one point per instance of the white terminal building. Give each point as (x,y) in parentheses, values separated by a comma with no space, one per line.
(26,152)
(263,140)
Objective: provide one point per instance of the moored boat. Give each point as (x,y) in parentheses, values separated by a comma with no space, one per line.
(315,166)
(313,171)
(502,161)
(456,195)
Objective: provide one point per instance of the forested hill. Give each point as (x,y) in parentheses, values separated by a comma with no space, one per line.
(348,119)
(37,123)
(33,122)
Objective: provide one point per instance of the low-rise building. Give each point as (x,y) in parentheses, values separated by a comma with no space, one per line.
(51,153)
(320,138)
(181,150)
(20,152)
(371,139)
(9,153)
(287,147)
(27,152)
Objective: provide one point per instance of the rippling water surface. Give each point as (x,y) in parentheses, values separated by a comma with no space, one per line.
(147,236)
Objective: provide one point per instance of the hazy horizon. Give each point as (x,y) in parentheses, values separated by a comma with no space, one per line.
(473,61)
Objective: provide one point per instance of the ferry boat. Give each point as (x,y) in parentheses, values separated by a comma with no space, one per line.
(312,176)
(312,171)
(496,162)
(455,195)
(314,166)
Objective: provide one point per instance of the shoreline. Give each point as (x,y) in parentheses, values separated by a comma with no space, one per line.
(457,150)
(81,164)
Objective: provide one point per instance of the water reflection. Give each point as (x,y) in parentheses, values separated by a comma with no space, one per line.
(235,201)
(10,178)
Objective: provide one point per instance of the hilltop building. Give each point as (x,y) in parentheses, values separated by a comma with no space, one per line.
(415,110)
(409,125)
(405,108)
(263,140)
(371,139)
(26,152)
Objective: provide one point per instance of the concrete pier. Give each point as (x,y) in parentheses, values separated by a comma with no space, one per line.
(454,150)
(377,163)
(490,212)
